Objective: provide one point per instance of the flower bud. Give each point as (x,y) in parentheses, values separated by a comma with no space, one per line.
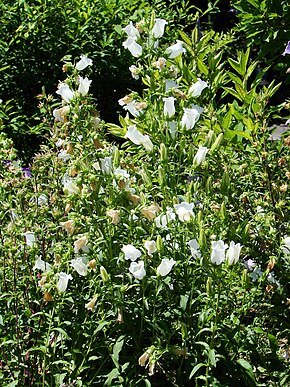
(47,296)
(104,274)
(116,159)
(163,153)
(225,183)
(146,177)
(245,279)
(161,176)
(175,200)
(199,217)
(209,138)
(159,244)
(201,237)
(208,185)
(209,288)
(217,142)
(223,211)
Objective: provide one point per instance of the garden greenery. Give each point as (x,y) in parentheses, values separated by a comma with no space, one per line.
(161,256)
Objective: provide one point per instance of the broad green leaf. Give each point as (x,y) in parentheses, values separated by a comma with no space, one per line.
(202,67)
(185,38)
(195,369)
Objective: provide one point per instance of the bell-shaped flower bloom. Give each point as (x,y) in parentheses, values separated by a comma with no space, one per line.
(134,70)
(169,109)
(287,49)
(286,246)
(30,238)
(150,246)
(160,63)
(80,267)
(250,264)
(170,84)
(191,116)
(184,211)
(158,28)
(137,269)
(200,155)
(84,85)
(62,283)
(133,47)
(65,92)
(162,220)
(147,143)
(131,30)
(91,304)
(175,50)
(114,215)
(218,249)
(42,200)
(69,186)
(61,113)
(41,265)
(196,89)
(106,164)
(83,63)
(233,253)
(81,244)
(131,253)
(165,266)
(194,248)
(64,155)
(68,226)
(138,138)
(150,212)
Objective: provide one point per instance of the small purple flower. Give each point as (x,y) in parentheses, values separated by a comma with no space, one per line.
(6,162)
(250,264)
(287,49)
(27,173)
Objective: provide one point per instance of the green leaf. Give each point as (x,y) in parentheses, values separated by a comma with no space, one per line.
(185,38)
(202,67)
(211,357)
(247,368)
(195,369)
(117,349)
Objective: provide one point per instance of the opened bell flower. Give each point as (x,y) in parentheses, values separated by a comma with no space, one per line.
(65,92)
(194,248)
(175,50)
(107,165)
(150,212)
(68,226)
(81,244)
(69,186)
(287,49)
(41,265)
(150,246)
(61,113)
(131,253)
(134,72)
(138,138)
(79,266)
(62,283)
(184,211)
(191,116)
(233,253)
(131,30)
(165,266)
(133,47)
(162,220)
(42,200)
(137,270)
(196,89)
(83,63)
(200,155)
(84,85)
(158,29)
(30,238)
(169,109)
(218,249)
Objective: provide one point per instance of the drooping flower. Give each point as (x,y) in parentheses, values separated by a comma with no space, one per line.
(169,109)
(83,63)
(41,265)
(138,138)
(287,49)
(194,248)
(175,50)
(62,283)
(131,252)
(233,253)
(218,249)
(133,46)
(170,84)
(84,85)
(79,266)
(165,266)
(30,238)
(27,173)
(91,304)
(61,113)
(65,92)
(158,29)
(250,264)
(191,116)
(150,246)
(69,186)
(81,244)
(184,211)
(137,270)
(196,89)
(42,200)
(131,30)
(200,155)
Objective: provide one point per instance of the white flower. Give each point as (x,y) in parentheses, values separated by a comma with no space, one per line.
(170,84)
(69,185)
(194,248)
(158,29)
(129,106)
(184,211)
(62,283)
(147,143)
(59,142)
(91,304)
(83,63)
(160,63)
(30,238)
(169,109)
(250,264)
(162,220)
(133,46)
(196,89)
(175,50)
(131,252)
(131,31)
(165,266)
(63,155)
(121,173)
(84,85)
(191,116)
(150,246)
(286,247)
(65,92)
(134,71)
(79,266)
(61,113)
(68,226)
(200,155)
(233,253)
(42,200)
(172,128)
(41,265)
(218,252)
(107,165)
(81,244)
(138,138)
(137,269)
(272,280)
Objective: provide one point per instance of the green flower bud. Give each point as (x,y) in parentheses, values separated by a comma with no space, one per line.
(201,237)
(104,274)
(161,176)
(245,279)
(217,143)
(163,153)
(225,183)
(223,211)
(209,138)
(199,217)
(159,244)
(146,176)
(208,185)
(175,200)
(209,288)
(116,160)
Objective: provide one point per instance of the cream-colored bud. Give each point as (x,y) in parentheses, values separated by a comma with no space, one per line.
(114,215)
(68,226)
(143,359)
(150,212)
(119,318)
(91,304)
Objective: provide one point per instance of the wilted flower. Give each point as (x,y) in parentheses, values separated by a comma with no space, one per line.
(200,155)
(83,63)
(191,116)
(184,211)
(65,92)
(120,319)
(150,246)
(175,50)
(194,248)
(218,252)
(79,266)
(41,265)
(287,49)
(233,253)
(196,89)
(169,109)
(114,215)
(91,304)
(158,29)
(165,266)
(131,30)
(137,270)
(30,238)
(84,85)
(160,63)
(81,244)
(150,212)
(61,113)
(62,283)
(144,358)
(131,252)
(68,226)
(133,46)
